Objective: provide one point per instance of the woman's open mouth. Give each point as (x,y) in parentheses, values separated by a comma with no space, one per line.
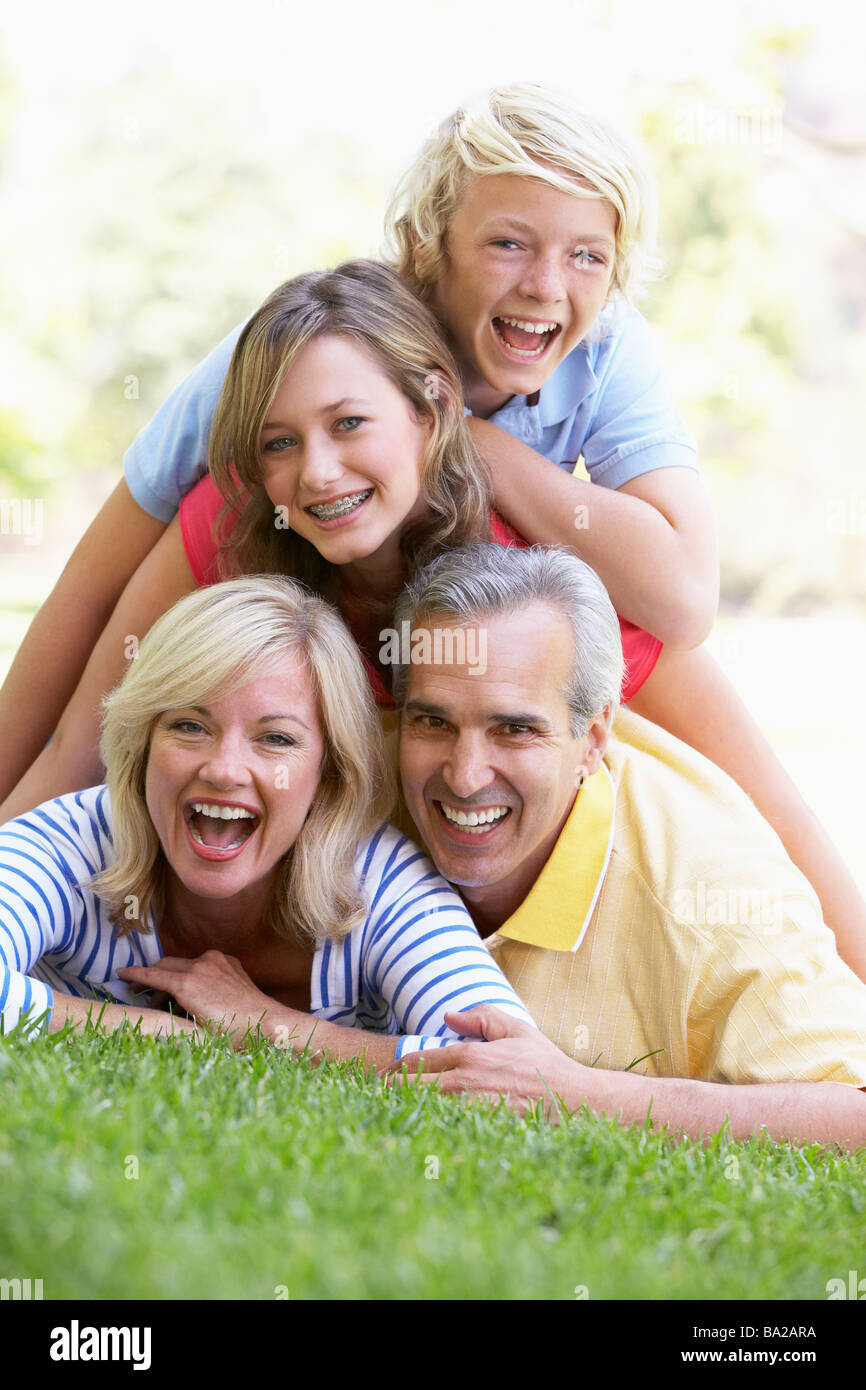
(525,340)
(217,831)
(340,507)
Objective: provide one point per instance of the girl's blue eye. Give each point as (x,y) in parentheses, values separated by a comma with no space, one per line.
(351,422)
(277,446)
(185,726)
(503,241)
(585,257)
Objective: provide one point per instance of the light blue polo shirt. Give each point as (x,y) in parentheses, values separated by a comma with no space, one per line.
(607,400)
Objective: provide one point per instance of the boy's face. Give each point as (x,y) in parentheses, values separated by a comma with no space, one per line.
(520,252)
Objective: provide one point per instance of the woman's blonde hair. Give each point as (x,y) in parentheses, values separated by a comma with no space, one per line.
(209,644)
(533,131)
(368,303)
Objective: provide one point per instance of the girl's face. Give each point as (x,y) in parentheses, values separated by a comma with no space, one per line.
(342,451)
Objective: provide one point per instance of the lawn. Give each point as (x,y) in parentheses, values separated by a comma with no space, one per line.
(133,1168)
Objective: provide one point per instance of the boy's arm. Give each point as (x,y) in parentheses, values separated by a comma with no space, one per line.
(688,694)
(652,541)
(71,761)
(53,655)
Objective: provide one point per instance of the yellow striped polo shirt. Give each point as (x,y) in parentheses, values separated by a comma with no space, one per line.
(670,929)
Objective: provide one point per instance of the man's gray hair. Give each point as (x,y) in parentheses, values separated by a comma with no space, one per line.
(479,581)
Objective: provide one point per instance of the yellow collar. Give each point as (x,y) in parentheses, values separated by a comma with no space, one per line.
(555,912)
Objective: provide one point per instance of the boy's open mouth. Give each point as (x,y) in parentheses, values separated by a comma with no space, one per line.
(524,337)
(220,827)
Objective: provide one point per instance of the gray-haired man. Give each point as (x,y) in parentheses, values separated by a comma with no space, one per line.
(636,900)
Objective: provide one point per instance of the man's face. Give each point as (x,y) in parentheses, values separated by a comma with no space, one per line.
(527,270)
(496,748)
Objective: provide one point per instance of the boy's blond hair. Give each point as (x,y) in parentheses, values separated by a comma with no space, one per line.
(533,131)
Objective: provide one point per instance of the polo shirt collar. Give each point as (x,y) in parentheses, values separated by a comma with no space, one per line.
(557,909)
(571,383)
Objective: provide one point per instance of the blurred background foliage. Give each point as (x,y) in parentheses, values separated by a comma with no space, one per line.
(157,213)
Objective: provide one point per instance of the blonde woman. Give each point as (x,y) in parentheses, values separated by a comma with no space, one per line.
(237,857)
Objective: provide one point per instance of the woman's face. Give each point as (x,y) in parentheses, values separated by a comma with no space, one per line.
(229,783)
(342,451)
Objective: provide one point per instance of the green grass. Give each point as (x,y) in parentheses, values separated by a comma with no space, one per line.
(255,1171)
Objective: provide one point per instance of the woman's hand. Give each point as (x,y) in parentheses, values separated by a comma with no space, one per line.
(217,991)
(213,988)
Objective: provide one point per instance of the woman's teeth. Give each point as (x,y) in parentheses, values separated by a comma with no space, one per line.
(474,821)
(328,511)
(218,838)
(223,812)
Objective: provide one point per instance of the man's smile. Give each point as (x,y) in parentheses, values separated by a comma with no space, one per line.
(474,822)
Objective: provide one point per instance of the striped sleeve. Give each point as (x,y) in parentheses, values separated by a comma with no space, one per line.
(421,952)
(36,912)
(43,855)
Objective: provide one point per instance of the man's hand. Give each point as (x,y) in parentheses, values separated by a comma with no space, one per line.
(214,988)
(517,1062)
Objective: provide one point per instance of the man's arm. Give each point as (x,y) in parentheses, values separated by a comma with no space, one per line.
(71,761)
(651,541)
(527,1068)
(54,653)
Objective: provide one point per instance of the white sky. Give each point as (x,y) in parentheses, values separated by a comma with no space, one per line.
(391,68)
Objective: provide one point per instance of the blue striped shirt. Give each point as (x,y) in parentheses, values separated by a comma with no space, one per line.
(416,954)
